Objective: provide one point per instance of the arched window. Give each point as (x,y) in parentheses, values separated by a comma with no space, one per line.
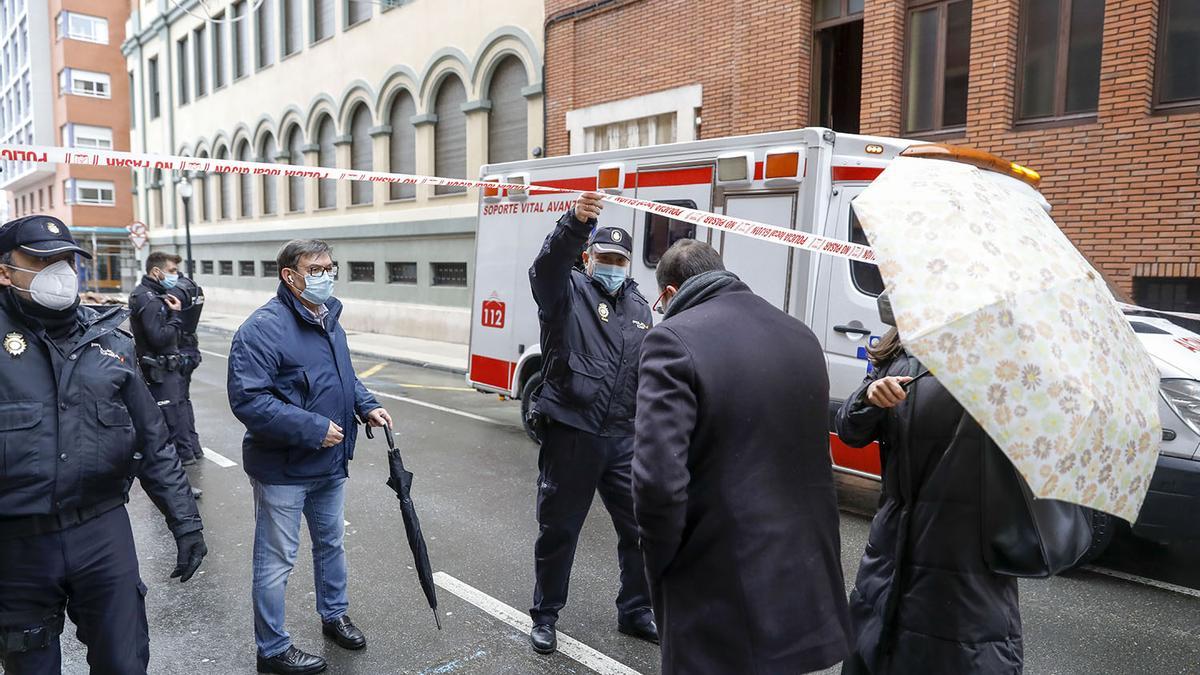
(202,192)
(327,157)
(295,148)
(225,185)
(246,181)
(403,151)
(507,122)
(361,156)
(270,185)
(450,133)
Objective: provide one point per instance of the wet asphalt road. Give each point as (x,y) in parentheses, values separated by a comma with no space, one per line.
(474,489)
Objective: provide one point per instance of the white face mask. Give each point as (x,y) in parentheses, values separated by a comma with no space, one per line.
(53,287)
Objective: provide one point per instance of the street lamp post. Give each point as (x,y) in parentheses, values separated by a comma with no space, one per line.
(185,193)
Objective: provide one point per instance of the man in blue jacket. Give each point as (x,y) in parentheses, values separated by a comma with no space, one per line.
(292,384)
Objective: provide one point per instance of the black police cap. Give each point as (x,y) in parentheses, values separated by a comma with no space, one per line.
(41,236)
(611,240)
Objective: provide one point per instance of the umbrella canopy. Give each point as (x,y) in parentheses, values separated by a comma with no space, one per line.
(400,480)
(991,296)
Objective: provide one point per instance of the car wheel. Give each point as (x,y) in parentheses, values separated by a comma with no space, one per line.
(529,396)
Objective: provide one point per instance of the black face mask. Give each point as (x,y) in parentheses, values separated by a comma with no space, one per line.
(58,323)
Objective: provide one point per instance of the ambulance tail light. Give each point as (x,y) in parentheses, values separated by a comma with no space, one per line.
(979,158)
(514,194)
(735,168)
(490,195)
(610,178)
(783,167)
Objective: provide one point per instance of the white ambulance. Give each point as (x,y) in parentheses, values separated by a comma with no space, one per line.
(804,180)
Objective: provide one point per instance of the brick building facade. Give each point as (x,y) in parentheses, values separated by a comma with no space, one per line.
(1117,148)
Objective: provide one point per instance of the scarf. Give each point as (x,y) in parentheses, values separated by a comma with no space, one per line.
(698,289)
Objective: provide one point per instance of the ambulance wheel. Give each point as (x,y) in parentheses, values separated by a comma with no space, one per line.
(528,398)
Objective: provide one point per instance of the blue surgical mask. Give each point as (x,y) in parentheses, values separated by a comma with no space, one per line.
(611,276)
(169,280)
(317,289)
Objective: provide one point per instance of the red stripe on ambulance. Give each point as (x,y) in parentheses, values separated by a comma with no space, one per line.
(492,372)
(864,460)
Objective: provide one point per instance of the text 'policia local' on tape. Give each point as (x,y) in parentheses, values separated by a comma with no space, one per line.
(804,241)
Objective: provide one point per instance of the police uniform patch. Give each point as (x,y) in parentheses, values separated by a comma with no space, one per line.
(52,228)
(602,310)
(14,344)
(641,325)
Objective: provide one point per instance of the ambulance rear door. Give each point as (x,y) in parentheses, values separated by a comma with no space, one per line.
(689,185)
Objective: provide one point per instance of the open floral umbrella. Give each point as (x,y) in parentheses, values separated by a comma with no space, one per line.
(991,296)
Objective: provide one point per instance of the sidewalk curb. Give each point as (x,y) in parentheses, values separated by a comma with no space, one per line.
(455,370)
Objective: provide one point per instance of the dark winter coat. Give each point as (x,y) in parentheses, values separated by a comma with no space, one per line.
(289,375)
(591,339)
(78,423)
(156,329)
(734,494)
(931,606)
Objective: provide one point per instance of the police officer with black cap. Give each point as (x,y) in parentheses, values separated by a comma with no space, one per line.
(157,320)
(592,325)
(77,424)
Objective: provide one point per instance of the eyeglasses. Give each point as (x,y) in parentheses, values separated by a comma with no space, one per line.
(318,271)
(658,304)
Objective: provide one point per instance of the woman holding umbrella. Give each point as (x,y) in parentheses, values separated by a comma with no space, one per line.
(925,600)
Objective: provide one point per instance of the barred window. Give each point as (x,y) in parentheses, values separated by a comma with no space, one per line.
(270,268)
(449,274)
(362,271)
(246,268)
(206,267)
(226,268)
(402,272)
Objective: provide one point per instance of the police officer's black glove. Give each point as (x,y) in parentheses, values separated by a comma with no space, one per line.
(191,551)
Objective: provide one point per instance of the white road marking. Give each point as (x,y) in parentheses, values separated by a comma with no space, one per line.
(1154,583)
(567,645)
(218,459)
(423,404)
(216,354)
(442,408)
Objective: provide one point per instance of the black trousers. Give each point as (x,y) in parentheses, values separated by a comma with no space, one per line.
(573,465)
(91,571)
(173,395)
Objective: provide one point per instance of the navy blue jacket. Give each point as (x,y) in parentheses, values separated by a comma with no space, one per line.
(591,339)
(77,424)
(288,377)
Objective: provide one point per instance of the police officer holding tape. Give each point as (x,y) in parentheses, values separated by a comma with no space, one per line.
(592,326)
(191,299)
(77,424)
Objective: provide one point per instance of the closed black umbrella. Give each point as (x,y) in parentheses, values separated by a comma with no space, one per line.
(400,480)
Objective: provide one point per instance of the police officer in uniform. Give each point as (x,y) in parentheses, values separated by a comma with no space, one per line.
(592,325)
(77,424)
(191,299)
(157,320)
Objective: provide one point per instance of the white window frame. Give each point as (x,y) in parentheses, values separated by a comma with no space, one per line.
(71,81)
(87,136)
(683,101)
(83,27)
(77,186)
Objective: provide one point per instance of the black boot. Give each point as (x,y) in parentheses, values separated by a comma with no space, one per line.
(344,632)
(543,639)
(643,630)
(292,662)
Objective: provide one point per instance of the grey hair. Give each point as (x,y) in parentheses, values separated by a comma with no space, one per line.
(291,252)
(685,259)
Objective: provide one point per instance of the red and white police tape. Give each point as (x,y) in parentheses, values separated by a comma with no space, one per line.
(805,241)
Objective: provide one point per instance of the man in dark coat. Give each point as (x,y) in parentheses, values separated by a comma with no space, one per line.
(732,481)
(292,384)
(77,425)
(592,324)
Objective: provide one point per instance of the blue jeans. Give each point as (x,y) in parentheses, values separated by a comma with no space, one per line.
(277,510)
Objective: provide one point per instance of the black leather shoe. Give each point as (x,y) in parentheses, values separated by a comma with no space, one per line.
(197,493)
(643,631)
(292,662)
(543,638)
(344,633)
(188,461)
